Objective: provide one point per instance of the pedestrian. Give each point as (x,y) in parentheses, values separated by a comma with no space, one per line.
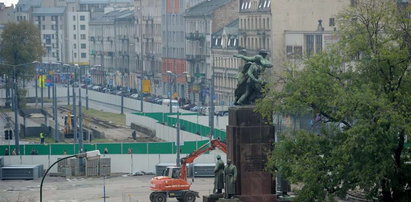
(33,152)
(6,152)
(105,150)
(64,152)
(14,152)
(134,135)
(130,150)
(41,138)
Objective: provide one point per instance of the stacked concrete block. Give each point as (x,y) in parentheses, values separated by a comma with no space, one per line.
(105,166)
(92,168)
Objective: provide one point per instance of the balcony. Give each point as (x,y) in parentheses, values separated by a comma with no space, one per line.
(195,58)
(195,36)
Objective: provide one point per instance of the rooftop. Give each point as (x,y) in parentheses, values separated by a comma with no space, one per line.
(205,8)
(48,11)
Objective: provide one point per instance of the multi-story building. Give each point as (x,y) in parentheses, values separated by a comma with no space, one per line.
(225,67)
(201,21)
(112,54)
(148,43)
(24,9)
(255,25)
(173,50)
(77,33)
(50,22)
(302,29)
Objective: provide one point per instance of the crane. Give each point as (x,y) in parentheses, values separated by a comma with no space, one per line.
(174,183)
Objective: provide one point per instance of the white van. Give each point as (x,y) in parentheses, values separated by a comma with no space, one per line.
(174,103)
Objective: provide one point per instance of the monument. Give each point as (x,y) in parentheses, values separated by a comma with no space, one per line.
(250,138)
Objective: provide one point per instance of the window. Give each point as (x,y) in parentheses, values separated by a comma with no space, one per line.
(74,36)
(75,55)
(82,27)
(52,27)
(74,27)
(74,46)
(294,52)
(44,27)
(83,55)
(43,18)
(83,46)
(332,22)
(82,18)
(82,36)
(313,44)
(74,18)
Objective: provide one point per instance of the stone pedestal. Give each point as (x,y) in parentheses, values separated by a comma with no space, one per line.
(250,140)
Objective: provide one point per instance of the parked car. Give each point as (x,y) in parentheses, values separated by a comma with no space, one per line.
(188,106)
(135,96)
(96,88)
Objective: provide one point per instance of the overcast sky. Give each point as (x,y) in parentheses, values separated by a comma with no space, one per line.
(9,2)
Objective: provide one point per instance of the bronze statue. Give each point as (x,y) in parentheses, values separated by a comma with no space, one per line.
(218,175)
(230,173)
(250,82)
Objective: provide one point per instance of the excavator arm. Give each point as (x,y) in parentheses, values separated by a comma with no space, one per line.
(203,149)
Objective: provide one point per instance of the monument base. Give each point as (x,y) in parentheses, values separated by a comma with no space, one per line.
(259,198)
(212,197)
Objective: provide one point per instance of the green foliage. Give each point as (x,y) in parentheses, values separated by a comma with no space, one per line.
(21,44)
(361,90)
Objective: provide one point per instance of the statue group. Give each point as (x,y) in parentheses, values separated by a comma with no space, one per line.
(225,177)
(250,81)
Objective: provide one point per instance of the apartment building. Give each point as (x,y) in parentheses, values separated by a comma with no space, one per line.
(110,48)
(148,43)
(50,22)
(77,37)
(201,21)
(255,25)
(225,68)
(174,55)
(302,29)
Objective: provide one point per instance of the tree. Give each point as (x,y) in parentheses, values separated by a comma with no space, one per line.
(21,44)
(361,90)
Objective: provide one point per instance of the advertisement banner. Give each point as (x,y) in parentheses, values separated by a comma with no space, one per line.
(146,86)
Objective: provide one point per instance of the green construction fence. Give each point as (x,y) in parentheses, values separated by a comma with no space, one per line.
(185,125)
(113,148)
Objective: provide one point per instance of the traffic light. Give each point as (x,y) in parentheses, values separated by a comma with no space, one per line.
(8,134)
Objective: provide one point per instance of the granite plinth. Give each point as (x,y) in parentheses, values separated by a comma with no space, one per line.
(250,141)
(259,198)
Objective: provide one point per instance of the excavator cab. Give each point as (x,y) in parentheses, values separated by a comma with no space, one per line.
(172,172)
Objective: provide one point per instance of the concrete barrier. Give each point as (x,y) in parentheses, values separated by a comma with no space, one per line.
(120,163)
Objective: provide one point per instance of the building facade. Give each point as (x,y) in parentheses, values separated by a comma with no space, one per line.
(112,55)
(201,21)
(255,25)
(50,22)
(301,29)
(148,43)
(224,45)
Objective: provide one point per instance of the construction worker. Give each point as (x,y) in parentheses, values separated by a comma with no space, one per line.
(41,138)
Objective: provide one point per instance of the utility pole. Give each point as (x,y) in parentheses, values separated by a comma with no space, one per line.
(170,94)
(122,93)
(68,84)
(80,115)
(56,135)
(74,110)
(42,89)
(178,138)
(87,92)
(16,110)
(36,84)
(211,112)
(48,87)
(141,56)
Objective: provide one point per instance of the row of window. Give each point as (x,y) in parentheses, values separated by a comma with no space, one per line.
(255,22)
(82,18)
(82,46)
(83,55)
(255,43)
(82,36)
(82,27)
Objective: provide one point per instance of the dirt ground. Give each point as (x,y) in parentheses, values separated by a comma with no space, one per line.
(120,188)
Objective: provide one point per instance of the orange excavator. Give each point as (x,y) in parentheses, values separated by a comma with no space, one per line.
(174,183)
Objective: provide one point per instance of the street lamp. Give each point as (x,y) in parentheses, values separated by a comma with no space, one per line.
(178,115)
(95,154)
